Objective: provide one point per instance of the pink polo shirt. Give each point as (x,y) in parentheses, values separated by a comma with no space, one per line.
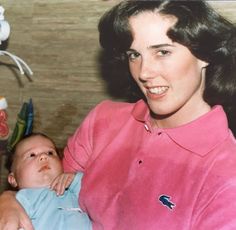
(143,178)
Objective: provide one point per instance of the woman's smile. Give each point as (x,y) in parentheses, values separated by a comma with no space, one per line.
(156,92)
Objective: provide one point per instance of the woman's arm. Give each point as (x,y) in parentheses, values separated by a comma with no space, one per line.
(12,215)
(218,210)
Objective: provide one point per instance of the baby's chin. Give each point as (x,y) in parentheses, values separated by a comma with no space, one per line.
(43,181)
(45,184)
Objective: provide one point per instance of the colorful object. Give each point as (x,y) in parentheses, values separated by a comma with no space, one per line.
(24,124)
(29,124)
(4,129)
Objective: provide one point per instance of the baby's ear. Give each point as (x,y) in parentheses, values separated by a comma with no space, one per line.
(12,180)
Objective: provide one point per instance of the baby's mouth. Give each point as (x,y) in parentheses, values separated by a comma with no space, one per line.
(43,168)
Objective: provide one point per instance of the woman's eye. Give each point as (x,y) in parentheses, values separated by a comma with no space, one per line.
(132,55)
(163,52)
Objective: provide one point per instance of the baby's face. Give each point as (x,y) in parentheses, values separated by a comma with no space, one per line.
(36,163)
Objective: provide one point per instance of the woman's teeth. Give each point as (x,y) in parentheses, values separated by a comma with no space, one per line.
(158,90)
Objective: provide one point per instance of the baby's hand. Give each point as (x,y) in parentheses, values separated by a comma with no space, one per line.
(62,182)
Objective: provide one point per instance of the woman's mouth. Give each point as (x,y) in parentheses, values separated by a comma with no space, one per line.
(158,90)
(155,93)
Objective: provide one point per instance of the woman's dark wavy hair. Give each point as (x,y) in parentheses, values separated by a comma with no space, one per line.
(208,35)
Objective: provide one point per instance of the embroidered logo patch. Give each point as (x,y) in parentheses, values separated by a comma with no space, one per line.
(165,200)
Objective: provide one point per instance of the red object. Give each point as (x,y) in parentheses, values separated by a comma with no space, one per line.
(4,129)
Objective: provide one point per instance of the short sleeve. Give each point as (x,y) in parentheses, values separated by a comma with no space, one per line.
(79,146)
(25,200)
(76,184)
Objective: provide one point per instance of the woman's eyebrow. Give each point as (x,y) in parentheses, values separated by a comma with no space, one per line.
(160,46)
(131,50)
(153,47)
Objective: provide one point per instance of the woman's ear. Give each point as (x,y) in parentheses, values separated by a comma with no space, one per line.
(12,180)
(203,64)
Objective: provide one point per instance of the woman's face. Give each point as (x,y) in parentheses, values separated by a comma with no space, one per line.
(171,78)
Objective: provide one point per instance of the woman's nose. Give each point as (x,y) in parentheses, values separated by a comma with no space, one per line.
(146,71)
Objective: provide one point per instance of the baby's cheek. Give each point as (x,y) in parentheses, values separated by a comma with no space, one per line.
(26,172)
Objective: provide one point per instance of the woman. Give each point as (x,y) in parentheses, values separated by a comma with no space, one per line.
(168,161)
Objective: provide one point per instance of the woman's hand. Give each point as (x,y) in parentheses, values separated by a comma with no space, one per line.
(62,182)
(12,215)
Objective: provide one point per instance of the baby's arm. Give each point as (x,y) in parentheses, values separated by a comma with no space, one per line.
(62,182)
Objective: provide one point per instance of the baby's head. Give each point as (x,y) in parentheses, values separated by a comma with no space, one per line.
(34,163)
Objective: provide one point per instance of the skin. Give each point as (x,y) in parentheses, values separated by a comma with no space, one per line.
(171,78)
(36,163)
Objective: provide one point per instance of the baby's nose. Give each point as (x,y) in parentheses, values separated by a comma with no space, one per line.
(43,156)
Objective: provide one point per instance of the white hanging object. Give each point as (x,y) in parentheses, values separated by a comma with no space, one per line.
(4,35)
(4,26)
(19,62)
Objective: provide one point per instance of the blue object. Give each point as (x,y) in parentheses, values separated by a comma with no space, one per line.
(165,200)
(30,118)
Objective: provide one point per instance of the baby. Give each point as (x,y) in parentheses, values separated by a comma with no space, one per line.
(36,171)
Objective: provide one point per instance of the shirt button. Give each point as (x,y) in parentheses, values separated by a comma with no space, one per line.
(146,127)
(140,162)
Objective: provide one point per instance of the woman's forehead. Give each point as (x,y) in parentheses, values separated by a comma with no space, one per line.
(151,28)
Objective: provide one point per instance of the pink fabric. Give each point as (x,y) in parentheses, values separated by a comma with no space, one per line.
(128,166)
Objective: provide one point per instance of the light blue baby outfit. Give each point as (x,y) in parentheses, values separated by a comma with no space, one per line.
(49,211)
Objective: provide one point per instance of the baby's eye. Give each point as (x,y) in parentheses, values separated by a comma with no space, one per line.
(32,155)
(51,153)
